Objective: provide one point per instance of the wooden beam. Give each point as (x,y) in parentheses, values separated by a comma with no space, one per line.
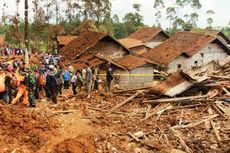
(180,99)
(126,101)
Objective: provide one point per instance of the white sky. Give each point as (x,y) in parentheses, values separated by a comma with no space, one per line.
(121,7)
(220,7)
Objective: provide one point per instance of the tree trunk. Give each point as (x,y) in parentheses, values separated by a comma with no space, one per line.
(26,38)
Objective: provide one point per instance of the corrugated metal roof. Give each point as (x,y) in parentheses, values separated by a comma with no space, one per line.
(130,43)
(182,42)
(131,62)
(64,40)
(146,34)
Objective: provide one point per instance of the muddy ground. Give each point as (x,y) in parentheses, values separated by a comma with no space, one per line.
(79,125)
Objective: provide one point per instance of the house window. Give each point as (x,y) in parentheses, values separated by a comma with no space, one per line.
(202,55)
(178,66)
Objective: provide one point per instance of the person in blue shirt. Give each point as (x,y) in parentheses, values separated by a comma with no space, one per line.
(66,78)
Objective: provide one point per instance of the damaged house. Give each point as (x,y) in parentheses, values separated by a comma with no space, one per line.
(144,39)
(216,33)
(93,43)
(64,40)
(138,72)
(186,50)
(137,47)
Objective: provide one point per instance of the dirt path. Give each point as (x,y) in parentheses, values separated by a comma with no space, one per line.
(72,127)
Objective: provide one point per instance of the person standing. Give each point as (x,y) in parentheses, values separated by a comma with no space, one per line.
(51,84)
(109,78)
(30,83)
(8,89)
(88,80)
(79,81)
(59,81)
(83,74)
(66,78)
(74,83)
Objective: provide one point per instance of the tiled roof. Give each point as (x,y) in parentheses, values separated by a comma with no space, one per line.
(182,42)
(146,34)
(64,40)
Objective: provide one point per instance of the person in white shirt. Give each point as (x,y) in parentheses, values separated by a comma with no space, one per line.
(74,83)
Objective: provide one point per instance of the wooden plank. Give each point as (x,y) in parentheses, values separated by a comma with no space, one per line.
(126,101)
(182,142)
(216,131)
(180,99)
(196,123)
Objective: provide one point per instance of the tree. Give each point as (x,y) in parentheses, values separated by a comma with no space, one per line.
(158,5)
(210,19)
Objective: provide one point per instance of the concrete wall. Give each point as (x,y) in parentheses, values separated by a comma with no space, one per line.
(209,53)
(109,49)
(132,82)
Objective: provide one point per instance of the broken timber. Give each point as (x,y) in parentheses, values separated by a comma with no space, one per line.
(197,123)
(181,99)
(126,101)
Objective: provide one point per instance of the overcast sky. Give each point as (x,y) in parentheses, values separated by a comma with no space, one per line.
(121,7)
(220,7)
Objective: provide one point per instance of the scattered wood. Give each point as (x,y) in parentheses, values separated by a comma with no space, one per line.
(197,123)
(216,131)
(126,101)
(130,90)
(159,109)
(182,142)
(177,100)
(64,112)
(220,77)
(219,111)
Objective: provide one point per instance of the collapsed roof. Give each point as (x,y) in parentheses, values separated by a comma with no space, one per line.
(146,34)
(181,43)
(132,62)
(212,32)
(84,42)
(64,40)
(130,43)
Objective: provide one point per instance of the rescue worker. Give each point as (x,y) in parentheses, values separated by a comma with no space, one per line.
(51,84)
(30,83)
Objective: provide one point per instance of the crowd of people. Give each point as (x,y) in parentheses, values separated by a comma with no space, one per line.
(8,51)
(22,83)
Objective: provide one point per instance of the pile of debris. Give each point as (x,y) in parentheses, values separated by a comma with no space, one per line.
(182,113)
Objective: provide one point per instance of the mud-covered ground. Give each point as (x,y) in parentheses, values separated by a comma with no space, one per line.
(79,125)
